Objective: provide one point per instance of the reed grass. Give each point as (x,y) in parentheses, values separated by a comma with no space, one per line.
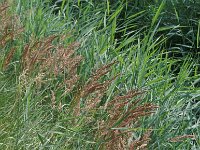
(67,82)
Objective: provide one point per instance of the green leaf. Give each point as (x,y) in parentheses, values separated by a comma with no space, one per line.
(155,18)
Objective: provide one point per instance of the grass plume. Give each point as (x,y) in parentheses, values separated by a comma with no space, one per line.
(52,98)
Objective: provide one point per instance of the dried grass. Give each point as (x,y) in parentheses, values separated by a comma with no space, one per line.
(119,117)
(9,29)
(8,58)
(51,59)
(182,138)
(93,90)
(142,143)
(125,118)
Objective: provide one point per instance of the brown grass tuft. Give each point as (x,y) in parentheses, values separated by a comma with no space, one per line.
(182,138)
(8,58)
(9,29)
(125,118)
(123,111)
(49,58)
(93,90)
(142,143)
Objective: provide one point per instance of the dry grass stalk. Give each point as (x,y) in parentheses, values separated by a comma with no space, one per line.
(9,30)
(125,119)
(50,58)
(53,61)
(9,23)
(9,35)
(37,53)
(69,84)
(93,90)
(116,108)
(8,58)
(23,79)
(182,138)
(44,57)
(93,84)
(142,143)
(129,119)
(53,100)
(117,142)
(3,15)
(3,8)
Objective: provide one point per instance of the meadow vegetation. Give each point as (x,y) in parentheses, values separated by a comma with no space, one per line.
(109,74)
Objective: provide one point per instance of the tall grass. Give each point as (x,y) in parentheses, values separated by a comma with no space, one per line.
(52,97)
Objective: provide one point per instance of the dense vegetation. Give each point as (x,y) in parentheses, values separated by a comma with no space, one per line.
(89,74)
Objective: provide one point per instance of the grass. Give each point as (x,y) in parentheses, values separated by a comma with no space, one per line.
(90,75)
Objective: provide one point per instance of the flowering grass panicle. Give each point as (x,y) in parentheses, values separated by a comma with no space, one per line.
(10,29)
(47,58)
(182,138)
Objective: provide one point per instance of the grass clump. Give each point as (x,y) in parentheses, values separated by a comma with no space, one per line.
(48,72)
(100,92)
